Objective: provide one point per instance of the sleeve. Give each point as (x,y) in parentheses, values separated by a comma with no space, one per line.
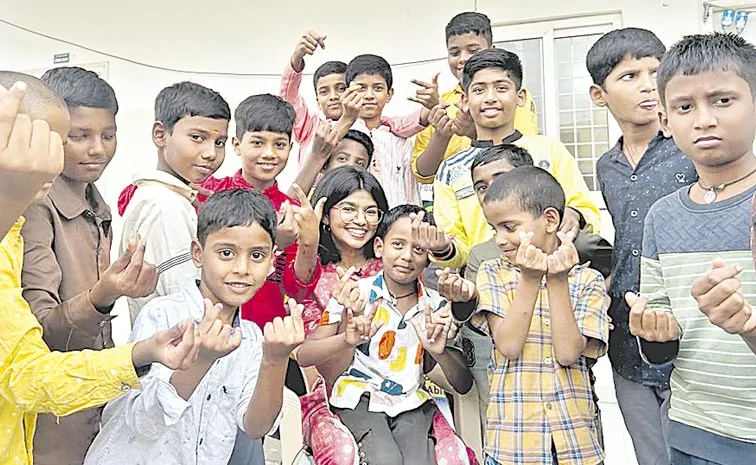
(154,408)
(473,265)
(495,294)
(526,116)
(421,143)
(577,195)
(405,126)
(591,315)
(333,313)
(36,380)
(311,316)
(292,286)
(306,121)
(41,279)
(448,217)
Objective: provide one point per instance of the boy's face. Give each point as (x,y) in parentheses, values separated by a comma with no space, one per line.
(711,116)
(59,120)
(235,263)
(508,221)
(91,143)
(194,149)
(483,176)
(348,153)
(328,91)
(630,91)
(264,155)
(493,98)
(352,221)
(403,259)
(375,94)
(460,48)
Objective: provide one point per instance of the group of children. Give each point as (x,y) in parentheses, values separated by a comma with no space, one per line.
(233,286)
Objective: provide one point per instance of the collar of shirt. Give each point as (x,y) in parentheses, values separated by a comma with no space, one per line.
(619,156)
(510,139)
(70,204)
(273,193)
(379,290)
(168,180)
(197,307)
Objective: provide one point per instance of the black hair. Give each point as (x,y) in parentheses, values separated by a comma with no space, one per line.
(38,97)
(533,188)
(514,155)
(189,99)
(81,88)
(397,213)
(699,53)
(493,58)
(615,46)
(235,207)
(329,67)
(362,139)
(264,112)
(335,186)
(369,64)
(470,22)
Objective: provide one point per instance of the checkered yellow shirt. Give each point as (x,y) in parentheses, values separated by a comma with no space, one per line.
(535,402)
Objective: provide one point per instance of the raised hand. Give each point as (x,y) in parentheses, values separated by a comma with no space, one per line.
(455,288)
(177,348)
(434,333)
(720,298)
(351,101)
(307,44)
(563,259)
(649,324)
(428,236)
(441,121)
(570,222)
(347,292)
(286,231)
(530,259)
(360,328)
(307,218)
(218,339)
(283,335)
(129,276)
(463,124)
(427,94)
(324,141)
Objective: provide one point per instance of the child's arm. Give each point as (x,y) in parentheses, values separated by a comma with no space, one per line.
(432,146)
(281,337)
(448,218)
(306,121)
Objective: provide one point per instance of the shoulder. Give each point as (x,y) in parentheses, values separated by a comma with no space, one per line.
(456,165)
(668,205)
(252,332)
(498,270)
(585,275)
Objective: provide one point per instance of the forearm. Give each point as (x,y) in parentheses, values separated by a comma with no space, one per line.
(429,161)
(320,346)
(12,209)
(186,381)
(568,342)
(750,339)
(509,333)
(454,366)
(308,173)
(305,262)
(266,402)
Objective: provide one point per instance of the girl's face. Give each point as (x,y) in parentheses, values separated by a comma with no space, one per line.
(354,220)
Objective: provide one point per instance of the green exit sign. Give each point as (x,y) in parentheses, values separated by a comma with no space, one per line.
(60,58)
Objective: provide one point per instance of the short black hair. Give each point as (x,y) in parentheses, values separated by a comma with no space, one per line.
(514,155)
(189,99)
(399,212)
(329,67)
(699,53)
(533,188)
(470,22)
(335,186)
(39,96)
(235,207)
(493,58)
(264,112)
(369,64)
(363,139)
(81,88)
(615,46)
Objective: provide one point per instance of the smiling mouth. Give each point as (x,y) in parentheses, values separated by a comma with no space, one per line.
(490,111)
(648,104)
(357,233)
(239,287)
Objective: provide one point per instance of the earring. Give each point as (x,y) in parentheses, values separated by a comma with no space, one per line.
(326,228)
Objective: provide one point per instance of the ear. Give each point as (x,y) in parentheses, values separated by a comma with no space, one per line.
(664,121)
(378,247)
(159,133)
(197,254)
(236,143)
(553,220)
(522,97)
(272,268)
(597,95)
(390,94)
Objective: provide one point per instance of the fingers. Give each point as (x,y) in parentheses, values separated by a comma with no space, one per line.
(304,202)
(720,272)
(10,104)
(135,264)
(210,316)
(438,330)
(319,208)
(637,308)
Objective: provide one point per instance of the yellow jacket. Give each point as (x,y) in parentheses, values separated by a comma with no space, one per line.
(453,193)
(33,379)
(525,121)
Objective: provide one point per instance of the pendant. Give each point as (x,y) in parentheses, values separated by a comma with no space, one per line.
(710,196)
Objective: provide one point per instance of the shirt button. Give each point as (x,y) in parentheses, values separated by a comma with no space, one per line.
(635,252)
(125,387)
(634,177)
(547,321)
(547,360)
(548,406)
(209,396)
(634,213)
(102,323)
(200,441)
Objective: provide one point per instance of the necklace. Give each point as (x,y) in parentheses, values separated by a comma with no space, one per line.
(711,192)
(396,298)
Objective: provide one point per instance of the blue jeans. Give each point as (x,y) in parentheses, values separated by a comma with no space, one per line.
(681,458)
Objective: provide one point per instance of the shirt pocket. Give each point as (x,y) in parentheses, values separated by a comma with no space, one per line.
(222,419)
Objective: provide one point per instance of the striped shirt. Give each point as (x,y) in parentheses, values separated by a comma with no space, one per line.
(714,380)
(536,402)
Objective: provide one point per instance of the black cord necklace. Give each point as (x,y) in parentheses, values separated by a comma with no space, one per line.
(711,192)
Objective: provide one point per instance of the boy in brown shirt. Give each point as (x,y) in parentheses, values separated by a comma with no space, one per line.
(67,276)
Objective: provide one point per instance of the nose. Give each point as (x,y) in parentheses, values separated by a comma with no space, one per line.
(406,254)
(360,218)
(369,94)
(463,58)
(502,239)
(704,117)
(97,148)
(241,265)
(490,94)
(334,95)
(648,82)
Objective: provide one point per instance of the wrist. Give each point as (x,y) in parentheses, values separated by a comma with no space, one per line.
(532,277)
(142,353)
(297,63)
(424,113)
(275,361)
(99,298)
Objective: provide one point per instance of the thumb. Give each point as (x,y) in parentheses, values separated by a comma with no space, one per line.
(321,40)
(631,298)
(319,208)
(718,263)
(123,261)
(435,80)
(236,338)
